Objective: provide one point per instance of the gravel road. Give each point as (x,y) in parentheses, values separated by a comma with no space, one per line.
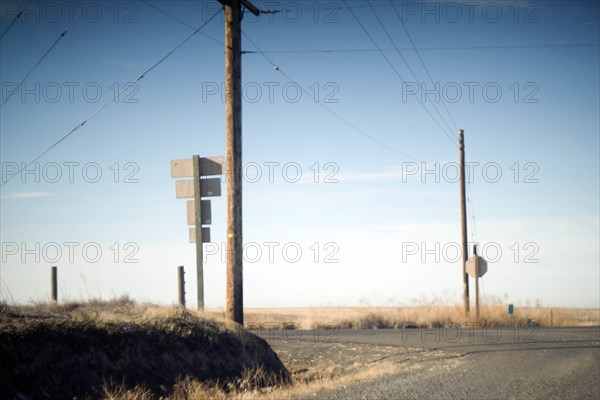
(460,363)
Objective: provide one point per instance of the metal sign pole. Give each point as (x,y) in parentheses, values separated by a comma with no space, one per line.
(198,224)
(198,210)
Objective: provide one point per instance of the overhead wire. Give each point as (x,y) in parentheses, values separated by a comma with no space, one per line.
(469,195)
(421,60)
(329,109)
(328,5)
(473,230)
(62,35)
(354,127)
(394,68)
(15,19)
(408,66)
(206,35)
(112,100)
(472,203)
(370,50)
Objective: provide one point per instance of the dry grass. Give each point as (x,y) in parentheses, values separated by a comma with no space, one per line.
(493,313)
(249,386)
(255,384)
(146,345)
(306,386)
(121,310)
(246,389)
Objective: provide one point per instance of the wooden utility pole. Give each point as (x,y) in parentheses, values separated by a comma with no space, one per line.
(476,260)
(234,308)
(463,217)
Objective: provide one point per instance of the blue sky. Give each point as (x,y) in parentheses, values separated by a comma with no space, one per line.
(371,226)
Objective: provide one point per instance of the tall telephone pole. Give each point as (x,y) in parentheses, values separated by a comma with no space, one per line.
(463,217)
(476,260)
(234,305)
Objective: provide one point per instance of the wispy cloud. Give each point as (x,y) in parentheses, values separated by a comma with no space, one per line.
(398,173)
(26,195)
(394,174)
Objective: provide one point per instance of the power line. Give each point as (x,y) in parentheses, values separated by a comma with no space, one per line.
(470,198)
(510,46)
(182,22)
(394,68)
(62,35)
(471,230)
(421,59)
(125,87)
(331,111)
(328,109)
(409,68)
(338,7)
(15,19)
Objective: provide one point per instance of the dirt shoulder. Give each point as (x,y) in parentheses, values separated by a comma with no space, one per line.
(322,366)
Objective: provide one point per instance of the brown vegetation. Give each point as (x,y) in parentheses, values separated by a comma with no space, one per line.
(149,352)
(493,313)
(97,348)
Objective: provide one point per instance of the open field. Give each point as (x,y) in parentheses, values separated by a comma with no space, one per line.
(397,317)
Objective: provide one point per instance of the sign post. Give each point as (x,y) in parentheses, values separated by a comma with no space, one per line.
(198,210)
(476,266)
(198,223)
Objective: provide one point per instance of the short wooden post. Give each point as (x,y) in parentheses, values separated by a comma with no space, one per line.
(181,285)
(53,285)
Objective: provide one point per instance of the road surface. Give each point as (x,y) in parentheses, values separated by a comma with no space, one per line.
(468,363)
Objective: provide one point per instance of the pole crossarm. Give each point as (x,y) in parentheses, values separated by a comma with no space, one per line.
(251,7)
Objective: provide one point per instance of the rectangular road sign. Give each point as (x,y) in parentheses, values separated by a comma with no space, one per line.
(208,166)
(210,187)
(205,212)
(205,235)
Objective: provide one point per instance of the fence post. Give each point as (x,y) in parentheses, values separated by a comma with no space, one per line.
(53,285)
(181,284)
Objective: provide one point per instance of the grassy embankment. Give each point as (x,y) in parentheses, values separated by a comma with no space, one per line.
(102,349)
